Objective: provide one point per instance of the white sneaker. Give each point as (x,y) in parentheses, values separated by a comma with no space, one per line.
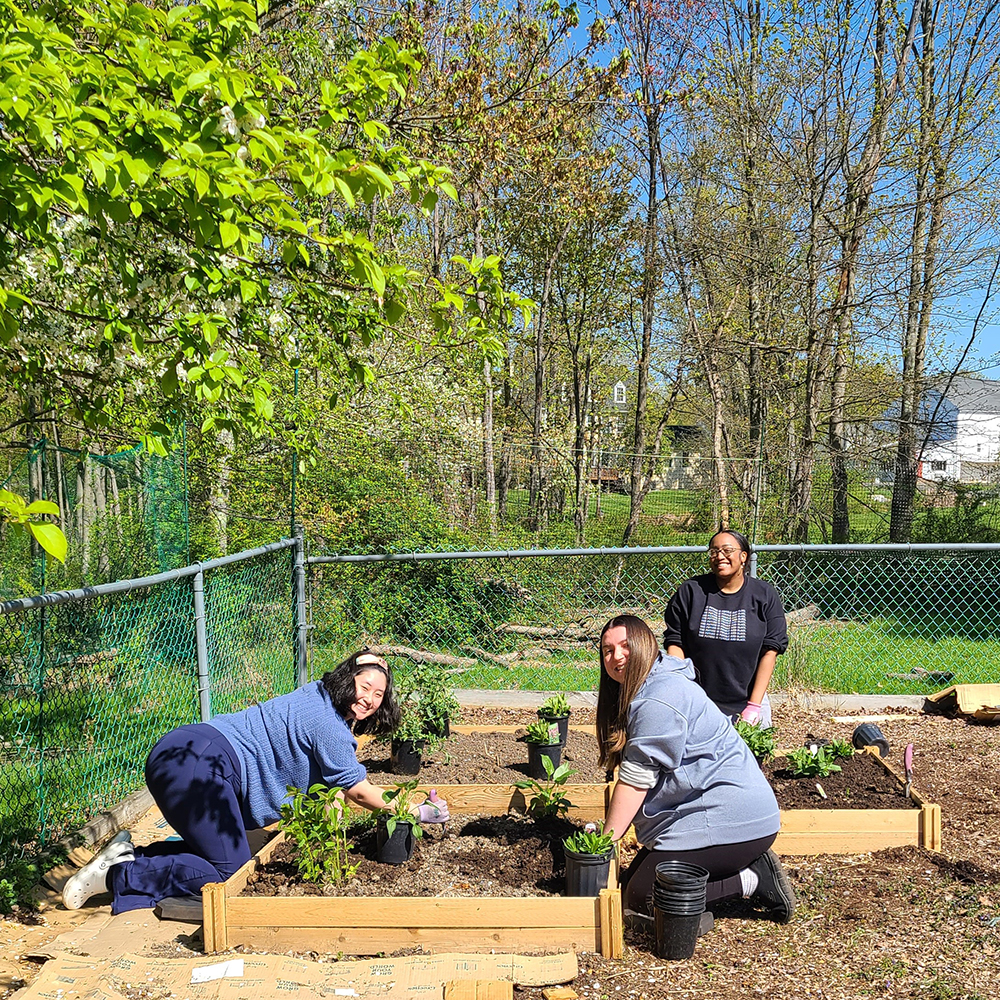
(92,878)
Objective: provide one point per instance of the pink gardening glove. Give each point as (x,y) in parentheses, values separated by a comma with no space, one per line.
(434,810)
(751,713)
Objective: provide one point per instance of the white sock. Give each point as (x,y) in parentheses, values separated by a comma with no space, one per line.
(749,880)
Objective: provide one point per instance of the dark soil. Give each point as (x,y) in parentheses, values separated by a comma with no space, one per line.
(484,759)
(472,856)
(862,783)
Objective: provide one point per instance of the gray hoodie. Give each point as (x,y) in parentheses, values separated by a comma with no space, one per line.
(706,789)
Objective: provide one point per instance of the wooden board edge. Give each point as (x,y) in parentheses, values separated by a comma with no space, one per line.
(428,913)
(612,923)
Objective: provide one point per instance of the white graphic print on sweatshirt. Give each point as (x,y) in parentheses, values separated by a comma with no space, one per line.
(729,626)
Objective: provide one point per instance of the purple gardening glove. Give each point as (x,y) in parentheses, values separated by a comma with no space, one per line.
(434,809)
(751,713)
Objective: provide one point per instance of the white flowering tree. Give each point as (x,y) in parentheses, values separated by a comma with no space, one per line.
(178,221)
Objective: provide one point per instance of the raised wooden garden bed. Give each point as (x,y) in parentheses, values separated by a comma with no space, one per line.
(367,925)
(855,831)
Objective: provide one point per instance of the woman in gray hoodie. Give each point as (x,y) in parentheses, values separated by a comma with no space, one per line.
(686,780)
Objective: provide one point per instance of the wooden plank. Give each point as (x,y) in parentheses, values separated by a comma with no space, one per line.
(903,821)
(426,912)
(612,923)
(478,989)
(496,800)
(859,842)
(930,827)
(214,929)
(560,993)
(374,941)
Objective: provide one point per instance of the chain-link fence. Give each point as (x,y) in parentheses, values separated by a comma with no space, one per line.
(92,678)
(865,619)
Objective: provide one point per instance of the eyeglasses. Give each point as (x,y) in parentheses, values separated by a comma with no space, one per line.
(725,550)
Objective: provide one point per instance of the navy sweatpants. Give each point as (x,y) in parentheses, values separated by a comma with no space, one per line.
(194,776)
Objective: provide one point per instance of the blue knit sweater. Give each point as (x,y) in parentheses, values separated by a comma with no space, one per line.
(709,790)
(296,739)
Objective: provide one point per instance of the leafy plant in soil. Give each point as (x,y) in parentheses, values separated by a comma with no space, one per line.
(841,748)
(544,734)
(425,691)
(589,841)
(399,802)
(807,764)
(317,822)
(760,739)
(555,706)
(548,798)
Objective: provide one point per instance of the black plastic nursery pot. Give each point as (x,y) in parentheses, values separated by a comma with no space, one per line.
(407,756)
(869,735)
(587,874)
(536,753)
(441,728)
(562,721)
(395,848)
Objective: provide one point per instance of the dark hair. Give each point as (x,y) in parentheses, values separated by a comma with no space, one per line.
(614,698)
(339,685)
(741,540)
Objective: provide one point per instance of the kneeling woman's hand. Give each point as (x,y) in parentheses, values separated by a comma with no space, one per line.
(433,810)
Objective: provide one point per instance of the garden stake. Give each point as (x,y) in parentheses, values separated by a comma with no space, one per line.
(908,765)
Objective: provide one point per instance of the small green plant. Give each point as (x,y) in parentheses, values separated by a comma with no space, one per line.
(411,725)
(317,822)
(806,764)
(399,807)
(548,797)
(590,842)
(425,691)
(555,707)
(841,748)
(19,878)
(543,734)
(760,739)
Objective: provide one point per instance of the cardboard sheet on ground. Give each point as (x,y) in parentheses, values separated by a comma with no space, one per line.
(981,701)
(261,977)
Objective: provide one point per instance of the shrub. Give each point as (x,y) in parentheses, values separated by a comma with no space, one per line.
(548,798)
(544,734)
(806,764)
(760,740)
(590,842)
(554,707)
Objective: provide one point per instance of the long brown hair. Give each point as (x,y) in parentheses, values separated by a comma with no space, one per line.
(613,699)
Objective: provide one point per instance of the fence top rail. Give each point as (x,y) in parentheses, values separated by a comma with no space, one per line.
(123,586)
(651,550)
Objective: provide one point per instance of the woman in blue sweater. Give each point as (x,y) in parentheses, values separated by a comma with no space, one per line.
(686,780)
(214,781)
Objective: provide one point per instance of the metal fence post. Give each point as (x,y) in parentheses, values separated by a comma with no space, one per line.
(201,646)
(301,625)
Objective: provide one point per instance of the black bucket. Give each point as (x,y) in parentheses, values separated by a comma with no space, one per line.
(397,848)
(869,735)
(586,874)
(678,903)
(562,721)
(536,769)
(407,756)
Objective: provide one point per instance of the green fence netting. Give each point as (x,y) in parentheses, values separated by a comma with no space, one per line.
(863,621)
(87,687)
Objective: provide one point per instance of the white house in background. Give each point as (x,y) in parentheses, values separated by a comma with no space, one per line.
(964,429)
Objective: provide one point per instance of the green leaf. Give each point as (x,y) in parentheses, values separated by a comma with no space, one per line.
(42,507)
(228,233)
(51,538)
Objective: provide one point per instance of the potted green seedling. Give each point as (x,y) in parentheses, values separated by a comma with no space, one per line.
(588,861)
(556,710)
(425,690)
(397,829)
(408,741)
(548,795)
(437,705)
(543,744)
